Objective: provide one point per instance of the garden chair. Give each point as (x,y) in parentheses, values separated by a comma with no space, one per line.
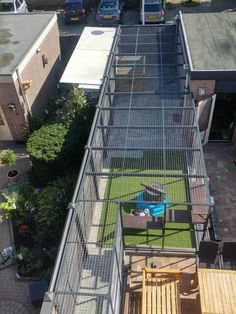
(160,291)
(228,255)
(207,255)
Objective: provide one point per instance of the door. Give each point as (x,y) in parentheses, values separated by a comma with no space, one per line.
(205,111)
(5,134)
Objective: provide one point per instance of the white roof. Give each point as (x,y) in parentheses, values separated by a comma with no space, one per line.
(88,61)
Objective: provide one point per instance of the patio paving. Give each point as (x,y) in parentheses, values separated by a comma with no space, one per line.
(14,297)
(222,174)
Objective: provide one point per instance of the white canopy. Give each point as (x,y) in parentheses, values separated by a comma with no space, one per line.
(88,61)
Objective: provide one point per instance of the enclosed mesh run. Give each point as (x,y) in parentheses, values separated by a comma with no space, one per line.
(145,134)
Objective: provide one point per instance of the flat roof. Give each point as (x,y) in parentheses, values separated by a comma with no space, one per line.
(18,32)
(88,61)
(211,38)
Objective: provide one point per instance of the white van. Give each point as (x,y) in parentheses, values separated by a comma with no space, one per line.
(13,6)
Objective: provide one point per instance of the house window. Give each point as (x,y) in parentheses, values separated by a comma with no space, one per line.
(202,91)
(1,121)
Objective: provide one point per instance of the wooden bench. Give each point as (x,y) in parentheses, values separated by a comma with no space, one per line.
(160,291)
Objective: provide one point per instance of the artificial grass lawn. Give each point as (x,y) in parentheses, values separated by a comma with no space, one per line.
(127,188)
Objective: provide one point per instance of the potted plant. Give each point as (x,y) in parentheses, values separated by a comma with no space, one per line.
(9,157)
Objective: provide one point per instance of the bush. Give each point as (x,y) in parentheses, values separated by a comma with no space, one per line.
(28,265)
(192,3)
(56,147)
(19,196)
(35,123)
(52,206)
(9,157)
(52,149)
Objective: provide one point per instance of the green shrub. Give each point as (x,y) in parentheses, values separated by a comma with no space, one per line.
(19,196)
(52,206)
(9,157)
(35,123)
(56,147)
(28,265)
(52,149)
(192,3)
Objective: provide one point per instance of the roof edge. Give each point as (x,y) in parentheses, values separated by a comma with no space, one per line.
(186,41)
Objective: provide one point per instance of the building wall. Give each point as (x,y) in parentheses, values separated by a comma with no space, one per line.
(44,77)
(44,3)
(197,86)
(15,117)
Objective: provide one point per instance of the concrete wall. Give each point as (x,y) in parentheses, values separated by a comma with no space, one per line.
(15,117)
(44,76)
(196,86)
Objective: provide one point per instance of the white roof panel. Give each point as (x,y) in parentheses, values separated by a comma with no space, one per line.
(88,61)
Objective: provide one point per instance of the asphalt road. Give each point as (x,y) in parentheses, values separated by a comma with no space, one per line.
(131,17)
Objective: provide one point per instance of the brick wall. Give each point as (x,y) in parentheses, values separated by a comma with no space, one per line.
(44,76)
(15,118)
(195,86)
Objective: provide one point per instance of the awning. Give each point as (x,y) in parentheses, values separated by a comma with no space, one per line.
(89,58)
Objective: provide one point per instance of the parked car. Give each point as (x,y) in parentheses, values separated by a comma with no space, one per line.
(109,12)
(13,6)
(153,12)
(75,11)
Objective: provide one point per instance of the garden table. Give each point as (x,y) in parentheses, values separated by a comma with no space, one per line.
(217,289)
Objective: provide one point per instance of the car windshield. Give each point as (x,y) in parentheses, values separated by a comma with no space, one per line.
(152,7)
(6,7)
(73,6)
(108,5)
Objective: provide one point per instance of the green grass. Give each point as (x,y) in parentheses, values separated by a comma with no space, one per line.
(126,188)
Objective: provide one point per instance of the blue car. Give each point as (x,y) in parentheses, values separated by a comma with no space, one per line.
(75,11)
(109,12)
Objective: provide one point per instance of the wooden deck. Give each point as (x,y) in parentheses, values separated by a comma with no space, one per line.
(189,298)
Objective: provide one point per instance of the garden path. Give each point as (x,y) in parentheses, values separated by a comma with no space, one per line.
(14,297)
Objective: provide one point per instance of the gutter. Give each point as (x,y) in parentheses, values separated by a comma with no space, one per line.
(186,41)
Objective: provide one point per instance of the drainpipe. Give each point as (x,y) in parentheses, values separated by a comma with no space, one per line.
(186,84)
(24,95)
(143,18)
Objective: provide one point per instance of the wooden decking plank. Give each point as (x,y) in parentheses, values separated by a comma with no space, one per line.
(173,297)
(149,297)
(154,293)
(168,294)
(163,296)
(159,305)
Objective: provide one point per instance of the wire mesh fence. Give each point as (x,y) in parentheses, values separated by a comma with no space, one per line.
(145,135)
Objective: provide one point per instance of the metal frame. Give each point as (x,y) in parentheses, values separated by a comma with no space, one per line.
(165,134)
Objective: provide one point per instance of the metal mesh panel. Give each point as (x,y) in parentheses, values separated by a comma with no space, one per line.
(145,131)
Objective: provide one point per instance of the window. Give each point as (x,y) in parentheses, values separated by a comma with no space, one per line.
(1,121)
(6,7)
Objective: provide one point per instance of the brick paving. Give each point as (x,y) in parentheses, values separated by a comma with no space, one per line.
(14,296)
(222,174)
